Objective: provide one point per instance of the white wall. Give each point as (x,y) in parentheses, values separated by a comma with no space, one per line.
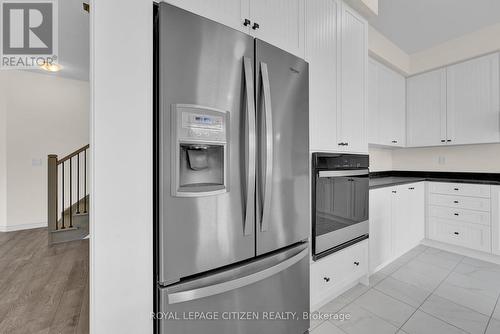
(380,159)
(381,48)
(3,156)
(43,115)
(469,158)
(121,250)
(468,46)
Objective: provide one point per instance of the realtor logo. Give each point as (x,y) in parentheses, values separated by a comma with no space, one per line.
(29,33)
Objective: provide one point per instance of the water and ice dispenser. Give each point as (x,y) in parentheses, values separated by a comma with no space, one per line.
(200,150)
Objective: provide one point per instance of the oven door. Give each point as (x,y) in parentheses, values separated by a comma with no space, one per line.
(340,208)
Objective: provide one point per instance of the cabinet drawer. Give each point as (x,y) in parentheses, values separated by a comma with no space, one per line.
(460,202)
(463,215)
(461,189)
(472,236)
(335,269)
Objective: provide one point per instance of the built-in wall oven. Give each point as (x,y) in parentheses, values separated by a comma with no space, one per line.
(340,188)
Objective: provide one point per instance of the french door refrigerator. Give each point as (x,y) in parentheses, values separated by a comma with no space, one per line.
(232,173)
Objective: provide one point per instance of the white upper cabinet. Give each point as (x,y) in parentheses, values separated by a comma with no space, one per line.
(229,12)
(280,22)
(473,101)
(372,102)
(426,109)
(351,118)
(386,106)
(322,54)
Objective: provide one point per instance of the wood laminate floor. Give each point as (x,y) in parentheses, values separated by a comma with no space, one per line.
(43,290)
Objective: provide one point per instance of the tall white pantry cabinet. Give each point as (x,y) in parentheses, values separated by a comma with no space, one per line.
(337,52)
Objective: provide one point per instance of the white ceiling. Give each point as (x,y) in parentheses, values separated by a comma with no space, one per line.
(74,40)
(416,25)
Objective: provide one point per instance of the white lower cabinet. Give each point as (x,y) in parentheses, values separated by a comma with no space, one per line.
(462,215)
(332,274)
(473,236)
(495,220)
(397,222)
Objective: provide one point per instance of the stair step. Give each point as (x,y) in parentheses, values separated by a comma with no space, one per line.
(66,229)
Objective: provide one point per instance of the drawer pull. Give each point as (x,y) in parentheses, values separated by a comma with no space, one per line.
(394,191)
(412,188)
(456,189)
(356,263)
(327,279)
(456,214)
(456,233)
(455,202)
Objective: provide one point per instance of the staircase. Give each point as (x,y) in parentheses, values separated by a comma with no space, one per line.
(68,197)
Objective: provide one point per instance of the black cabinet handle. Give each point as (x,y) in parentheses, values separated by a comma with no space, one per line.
(456,189)
(394,141)
(255,26)
(456,233)
(411,188)
(455,202)
(346,144)
(456,214)
(443,141)
(327,279)
(448,140)
(247,22)
(394,191)
(356,263)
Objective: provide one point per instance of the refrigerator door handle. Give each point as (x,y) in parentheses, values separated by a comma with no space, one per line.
(215,289)
(269,148)
(250,147)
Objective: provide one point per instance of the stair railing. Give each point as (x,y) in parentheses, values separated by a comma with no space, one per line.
(67,188)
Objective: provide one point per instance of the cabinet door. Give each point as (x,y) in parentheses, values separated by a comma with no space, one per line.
(495,219)
(380,227)
(416,214)
(229,12)
(426,109)
(473,101)
(281,23)
(392,104)
(322,54)
(354,53)
(400,223)
(372,103)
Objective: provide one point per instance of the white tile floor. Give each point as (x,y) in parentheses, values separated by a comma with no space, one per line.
(426,291)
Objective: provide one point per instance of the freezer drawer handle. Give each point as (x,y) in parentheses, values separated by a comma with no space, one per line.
(266,208)
(211,290)
(250,186)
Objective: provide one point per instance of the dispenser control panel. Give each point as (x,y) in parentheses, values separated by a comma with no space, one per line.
(200,123)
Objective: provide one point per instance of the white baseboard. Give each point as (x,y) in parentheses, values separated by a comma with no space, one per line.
(13,228)
(462,251)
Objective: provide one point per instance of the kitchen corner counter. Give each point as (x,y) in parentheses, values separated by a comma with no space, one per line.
(389,181)
(394,178)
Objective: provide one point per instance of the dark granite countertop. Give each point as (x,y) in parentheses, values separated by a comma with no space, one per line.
(393,178)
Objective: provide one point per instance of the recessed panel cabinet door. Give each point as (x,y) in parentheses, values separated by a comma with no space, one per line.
(372,103)
(473,101)
(380,227)
(351,117)
(426,109)
(281,23)
(229,12)
(322,54)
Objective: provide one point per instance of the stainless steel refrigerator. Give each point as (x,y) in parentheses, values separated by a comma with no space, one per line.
(232,180)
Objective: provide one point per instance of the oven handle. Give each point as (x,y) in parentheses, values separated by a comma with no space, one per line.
(340,173)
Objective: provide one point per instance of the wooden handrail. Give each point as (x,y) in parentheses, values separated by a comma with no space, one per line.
(74,154)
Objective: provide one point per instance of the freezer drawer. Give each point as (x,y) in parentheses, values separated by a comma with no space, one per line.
(260,292)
